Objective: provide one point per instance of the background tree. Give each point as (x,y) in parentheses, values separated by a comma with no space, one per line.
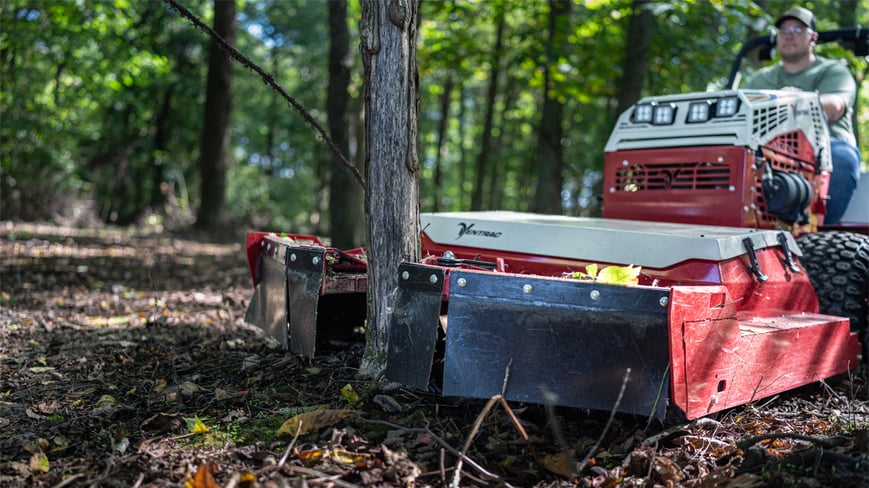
(482,173)
(346,214)
(102,101)
(388,47)
(636,58)
(214,146)
(547,197)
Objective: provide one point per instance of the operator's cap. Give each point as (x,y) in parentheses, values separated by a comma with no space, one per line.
(803,15)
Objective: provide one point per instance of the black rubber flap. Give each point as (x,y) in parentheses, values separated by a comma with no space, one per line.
(414,324)
(268,307)
(560,341)
(305,274)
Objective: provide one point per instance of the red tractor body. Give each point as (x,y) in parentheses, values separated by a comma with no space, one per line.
(703,192)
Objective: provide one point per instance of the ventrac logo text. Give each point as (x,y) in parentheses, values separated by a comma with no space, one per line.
(469,230)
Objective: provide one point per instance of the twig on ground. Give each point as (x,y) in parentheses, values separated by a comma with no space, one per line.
(290,447)
(457,475)
(749,441)
(321,476)
(440,441)
(514,419)
(74,477)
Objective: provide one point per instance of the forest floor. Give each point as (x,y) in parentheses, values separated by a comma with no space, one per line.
(125,361)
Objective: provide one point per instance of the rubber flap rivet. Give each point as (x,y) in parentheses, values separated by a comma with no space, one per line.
(293,257)
(405,275)
(316,260)
(433,279)
(527,289)
(462,282)
(664,301)
(595,295)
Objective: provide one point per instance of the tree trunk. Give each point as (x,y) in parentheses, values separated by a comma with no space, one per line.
(550,161)
(161,143)
(346,218)
(636,55)
(388,30)
(214,146)
(483,155)
(446,98)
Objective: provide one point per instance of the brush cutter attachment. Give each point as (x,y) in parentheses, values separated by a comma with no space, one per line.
(294,301)
(723,316)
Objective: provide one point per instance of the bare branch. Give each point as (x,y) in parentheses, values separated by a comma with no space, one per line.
(270,81)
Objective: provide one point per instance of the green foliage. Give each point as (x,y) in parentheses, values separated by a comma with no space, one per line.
(102,100)
(612,275)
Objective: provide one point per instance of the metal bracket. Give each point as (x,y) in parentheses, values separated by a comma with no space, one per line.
(788,260)
(752,258)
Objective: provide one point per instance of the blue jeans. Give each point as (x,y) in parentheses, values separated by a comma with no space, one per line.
(843,180)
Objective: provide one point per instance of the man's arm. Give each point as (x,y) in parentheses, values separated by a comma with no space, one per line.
(838,90)
(834,106)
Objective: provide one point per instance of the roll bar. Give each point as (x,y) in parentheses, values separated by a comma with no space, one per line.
(855,39)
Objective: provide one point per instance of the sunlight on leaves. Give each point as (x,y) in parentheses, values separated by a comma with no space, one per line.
(39,462)
(195,425)
(350,396)
(611,275)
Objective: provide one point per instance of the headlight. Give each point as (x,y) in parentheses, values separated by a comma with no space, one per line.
(664,114)
(727,107)
(698,112)
(643,113)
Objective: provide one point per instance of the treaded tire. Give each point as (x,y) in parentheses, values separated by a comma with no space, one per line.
(838,266)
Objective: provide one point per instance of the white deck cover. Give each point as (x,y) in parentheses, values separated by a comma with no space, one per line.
(647,244)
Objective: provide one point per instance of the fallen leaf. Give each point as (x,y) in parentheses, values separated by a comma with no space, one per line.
(196,426)
(312,421)
(350,395)
(39,462)
(558,463)
(310,455)
(46,408)
(387,403)
(203,477)
(189,388)
(106,401)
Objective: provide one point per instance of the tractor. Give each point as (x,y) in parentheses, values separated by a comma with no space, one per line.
(713,206)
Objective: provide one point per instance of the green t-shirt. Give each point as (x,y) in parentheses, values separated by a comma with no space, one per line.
(822,76)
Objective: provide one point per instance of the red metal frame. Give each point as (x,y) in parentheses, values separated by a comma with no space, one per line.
(721,358)
(723,184)
(349,265)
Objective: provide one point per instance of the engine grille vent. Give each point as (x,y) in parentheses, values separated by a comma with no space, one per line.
(673,176)
(766,120)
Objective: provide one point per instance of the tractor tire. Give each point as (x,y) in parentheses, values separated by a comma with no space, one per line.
(838,266)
